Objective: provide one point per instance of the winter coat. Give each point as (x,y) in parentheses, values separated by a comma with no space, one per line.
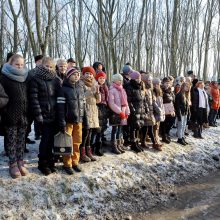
(71,104)
(114,103)
(137,103)
(92,98)
(3,97)
(215,94)
(181,106)
(150,119)
(16,111)
(168,101)
(159,112)
(43,96)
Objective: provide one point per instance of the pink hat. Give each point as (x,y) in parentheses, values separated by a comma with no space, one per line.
(135,74)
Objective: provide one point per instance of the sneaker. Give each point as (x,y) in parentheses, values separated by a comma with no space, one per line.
(69,170)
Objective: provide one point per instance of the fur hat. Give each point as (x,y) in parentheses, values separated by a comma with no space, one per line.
(134,74)
(117,77)
(71,71)
(100,74)
(156,81)
(126,69)
(88,69)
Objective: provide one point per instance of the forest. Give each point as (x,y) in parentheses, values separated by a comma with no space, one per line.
(165,37)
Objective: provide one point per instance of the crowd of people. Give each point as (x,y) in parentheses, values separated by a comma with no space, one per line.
(59,97)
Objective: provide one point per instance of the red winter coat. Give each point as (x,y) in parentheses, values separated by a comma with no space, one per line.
(215,94)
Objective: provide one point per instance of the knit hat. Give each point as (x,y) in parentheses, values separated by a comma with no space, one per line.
(126,69)
(100,74)
(117,77)
(134,74)
(146,77)
(71,71)
(88,69)
(156,81)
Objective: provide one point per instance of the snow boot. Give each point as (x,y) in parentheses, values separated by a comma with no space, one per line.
(76,168)
(184,140)
(44,167)
(135,147)
(83,156)
(98,149)
(119,146)
(115,149)
(21,167)
(69,170)
(14,170)
(180,141)
(89,153)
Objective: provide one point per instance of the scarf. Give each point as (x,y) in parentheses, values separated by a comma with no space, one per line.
(88,81)
(104,94)
(45,74)
(122,94)
(19,75)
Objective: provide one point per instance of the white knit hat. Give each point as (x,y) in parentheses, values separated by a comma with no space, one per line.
(117,77)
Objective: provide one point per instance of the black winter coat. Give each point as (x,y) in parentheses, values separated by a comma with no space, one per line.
(16,111)
(43,95)
(168,95)
(71,104)
(181,106)
(137,103)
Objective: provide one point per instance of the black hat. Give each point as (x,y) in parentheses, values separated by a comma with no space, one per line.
(9,55)
(71,60)
(38,57)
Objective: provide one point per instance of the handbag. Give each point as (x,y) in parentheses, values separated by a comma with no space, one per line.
(169,108)
(63,144)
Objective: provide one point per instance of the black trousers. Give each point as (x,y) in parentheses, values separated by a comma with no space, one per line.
(166,125)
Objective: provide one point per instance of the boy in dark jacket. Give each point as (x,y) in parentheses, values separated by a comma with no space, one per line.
(71,115)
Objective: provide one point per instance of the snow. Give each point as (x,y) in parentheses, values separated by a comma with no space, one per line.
(113,187)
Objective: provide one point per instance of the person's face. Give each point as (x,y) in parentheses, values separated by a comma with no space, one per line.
(39,62)
(101,80)
(157,86)
(89,75)
(201,85)
(118,82)
(138,80)
(18,63)
(100,67)
(71,64)
(62,68)
(74,78)
(216,85)
(186,88)
(49,65)
(166,84)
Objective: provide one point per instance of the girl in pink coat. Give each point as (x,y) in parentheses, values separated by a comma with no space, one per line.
(117,101)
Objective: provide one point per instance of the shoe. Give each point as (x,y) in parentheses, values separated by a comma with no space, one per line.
(119,146)
(115,149)
(165,140)
(69,170)
(38,137)
(186,133)
(89,153)
(29,141)
(144,145)
(157,147)
(184,140)
(77,169)
(14,171)
(98,149)
(22,169)
(135,147)
(45,170)
(83,156)
(180,141)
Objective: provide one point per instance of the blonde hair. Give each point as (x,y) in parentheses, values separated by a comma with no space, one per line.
(186,95)
(48,59)
(15,57)
(61,61)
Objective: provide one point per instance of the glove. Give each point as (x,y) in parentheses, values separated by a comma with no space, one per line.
(126,116)
(122,115)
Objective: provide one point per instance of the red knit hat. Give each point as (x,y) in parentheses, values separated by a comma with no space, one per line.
(100,74)
(88,69)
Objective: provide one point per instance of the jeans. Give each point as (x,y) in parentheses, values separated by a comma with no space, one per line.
(116,132)
(181,126)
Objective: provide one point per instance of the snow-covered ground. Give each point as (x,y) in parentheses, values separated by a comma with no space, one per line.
(112,188)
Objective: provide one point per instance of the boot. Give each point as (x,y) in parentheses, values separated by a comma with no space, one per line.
(115,149)
(69,170)
(51,166)
(144,144)
(180,141)
(99,149)
(135,147)
(21,167)
(44,168)
(119,146)
(157,147)
(14,171)
(76,168)
(184,140)
(165,139)
(83,156)
(89,153)
(200,133)
(196,133)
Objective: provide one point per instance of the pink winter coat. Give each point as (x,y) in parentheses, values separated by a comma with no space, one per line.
(114,102)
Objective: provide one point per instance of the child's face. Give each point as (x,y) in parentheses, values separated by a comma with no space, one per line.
(157,86)
(74,78)
(100,67)
(18,63)
(138,80)
(62,68)
(101,80)
(49,66)
(89,75)
(166,84)
(118,82)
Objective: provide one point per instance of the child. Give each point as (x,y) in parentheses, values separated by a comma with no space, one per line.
(117,101)
(14,75)
(71,115)
(93,97)
(43,94)
(182,109)
(103,112)
(138,107)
